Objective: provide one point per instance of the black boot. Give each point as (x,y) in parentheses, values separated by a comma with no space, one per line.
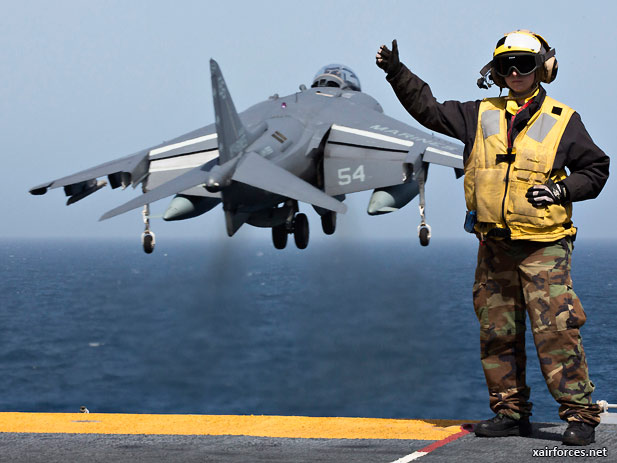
(501,426)
(579,433)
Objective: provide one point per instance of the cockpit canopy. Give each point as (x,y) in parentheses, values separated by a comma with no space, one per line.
(336,75)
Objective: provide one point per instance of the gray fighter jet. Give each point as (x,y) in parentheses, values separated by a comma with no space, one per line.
(313,146)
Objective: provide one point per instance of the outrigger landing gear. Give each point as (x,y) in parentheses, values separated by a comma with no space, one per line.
(424,233)
(147,237)
(424,230)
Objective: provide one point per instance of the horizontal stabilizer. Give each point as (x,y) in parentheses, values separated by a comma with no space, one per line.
(194,177)
(258,172)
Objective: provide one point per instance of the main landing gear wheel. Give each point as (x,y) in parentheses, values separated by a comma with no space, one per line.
(279,236)
(328,222)
(301,231)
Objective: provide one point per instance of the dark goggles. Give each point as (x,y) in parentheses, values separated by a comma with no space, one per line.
(524,64)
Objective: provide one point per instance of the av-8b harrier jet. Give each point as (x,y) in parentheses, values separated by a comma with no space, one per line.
(313,146)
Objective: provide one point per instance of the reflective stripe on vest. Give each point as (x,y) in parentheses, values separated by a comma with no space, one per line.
(496,190)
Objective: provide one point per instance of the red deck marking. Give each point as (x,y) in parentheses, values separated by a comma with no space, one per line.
(465,429)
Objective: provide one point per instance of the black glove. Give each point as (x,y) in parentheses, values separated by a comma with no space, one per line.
(547,194)
(388,60)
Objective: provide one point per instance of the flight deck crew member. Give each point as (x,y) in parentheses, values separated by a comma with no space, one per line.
(519,199)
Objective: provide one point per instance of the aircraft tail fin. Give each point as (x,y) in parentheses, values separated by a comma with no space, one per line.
(233,136)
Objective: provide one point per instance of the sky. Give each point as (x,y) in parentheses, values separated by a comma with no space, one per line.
(83,83)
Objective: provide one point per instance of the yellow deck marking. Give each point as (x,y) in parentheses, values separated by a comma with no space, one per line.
(217,425)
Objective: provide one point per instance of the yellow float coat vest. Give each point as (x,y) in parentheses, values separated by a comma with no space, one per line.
(496,190)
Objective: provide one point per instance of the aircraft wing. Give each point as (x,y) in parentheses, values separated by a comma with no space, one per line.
(152,166)
(361,155)
(136,163)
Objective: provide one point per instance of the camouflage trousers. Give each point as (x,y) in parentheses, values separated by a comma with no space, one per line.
(518,277)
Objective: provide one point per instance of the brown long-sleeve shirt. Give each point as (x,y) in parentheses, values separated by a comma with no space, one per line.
(588,165)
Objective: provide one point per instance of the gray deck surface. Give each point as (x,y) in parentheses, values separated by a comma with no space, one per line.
(49,448)
(470,448)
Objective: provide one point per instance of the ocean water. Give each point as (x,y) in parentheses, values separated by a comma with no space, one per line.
(374,329)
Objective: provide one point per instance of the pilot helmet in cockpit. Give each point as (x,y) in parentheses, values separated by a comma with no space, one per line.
(336,75)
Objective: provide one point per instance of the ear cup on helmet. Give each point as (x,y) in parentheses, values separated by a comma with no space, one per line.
(550,70)
(497,79)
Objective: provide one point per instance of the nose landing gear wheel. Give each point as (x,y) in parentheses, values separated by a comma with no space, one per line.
(301,231)
(279,236)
